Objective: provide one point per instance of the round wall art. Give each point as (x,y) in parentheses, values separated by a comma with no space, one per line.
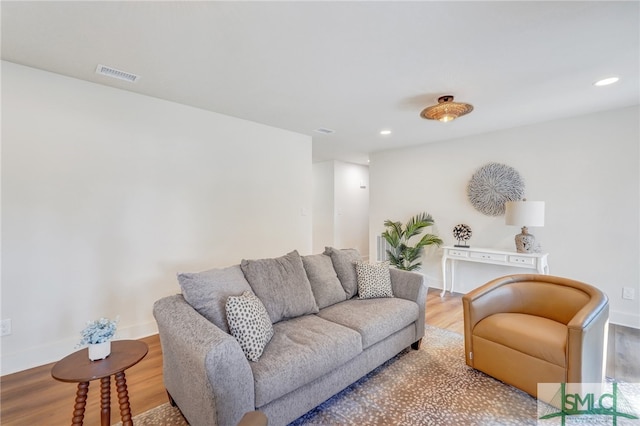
(492,185)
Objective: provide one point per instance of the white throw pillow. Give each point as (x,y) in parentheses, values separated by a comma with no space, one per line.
(374,280)
(249,323)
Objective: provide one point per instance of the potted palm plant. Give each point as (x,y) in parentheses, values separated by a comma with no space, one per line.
(402,255)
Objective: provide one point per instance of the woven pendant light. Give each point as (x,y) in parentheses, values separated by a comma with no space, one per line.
(446,110)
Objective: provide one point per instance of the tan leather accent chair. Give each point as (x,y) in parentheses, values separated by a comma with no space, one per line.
(527,329)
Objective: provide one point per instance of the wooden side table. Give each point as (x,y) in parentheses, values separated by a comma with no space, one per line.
(77,368)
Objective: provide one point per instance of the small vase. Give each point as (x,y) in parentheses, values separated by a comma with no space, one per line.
(99,350)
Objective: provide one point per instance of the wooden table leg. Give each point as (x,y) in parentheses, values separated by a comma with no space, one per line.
(123,398)
(81,402)
(105,401)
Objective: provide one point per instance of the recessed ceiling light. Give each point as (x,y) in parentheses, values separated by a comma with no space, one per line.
(606,81)
(385,132)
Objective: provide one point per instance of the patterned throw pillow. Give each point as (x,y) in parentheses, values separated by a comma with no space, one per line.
(374,280)
(249,323)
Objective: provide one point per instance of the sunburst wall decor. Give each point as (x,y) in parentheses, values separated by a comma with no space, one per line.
(492,185)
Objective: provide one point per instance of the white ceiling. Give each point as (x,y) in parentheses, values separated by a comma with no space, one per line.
(353,67)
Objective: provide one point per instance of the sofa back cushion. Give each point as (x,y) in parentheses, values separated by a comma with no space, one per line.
(344,262)
(207,291)
(325,284)
(282,286)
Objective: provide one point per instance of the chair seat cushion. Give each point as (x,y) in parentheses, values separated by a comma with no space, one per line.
(373,319)
(538,337)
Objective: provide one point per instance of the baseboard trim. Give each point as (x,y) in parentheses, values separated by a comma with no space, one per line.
(46,354)
(624,318)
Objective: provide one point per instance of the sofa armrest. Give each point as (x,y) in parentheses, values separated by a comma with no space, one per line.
(410,286)
(205,371)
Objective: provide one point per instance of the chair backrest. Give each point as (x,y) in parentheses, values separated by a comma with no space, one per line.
(548,296)
(549,300)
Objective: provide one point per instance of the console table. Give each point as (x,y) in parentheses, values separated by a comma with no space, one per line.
(535,261)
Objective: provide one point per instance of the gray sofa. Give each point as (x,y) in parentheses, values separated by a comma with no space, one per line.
(316,349)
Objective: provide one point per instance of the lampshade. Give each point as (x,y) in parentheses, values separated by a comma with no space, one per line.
(524,213)
(446,110)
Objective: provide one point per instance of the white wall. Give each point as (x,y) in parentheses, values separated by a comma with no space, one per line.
(323,206)
(352,206)
(107,194)
(586,169)
(341,206)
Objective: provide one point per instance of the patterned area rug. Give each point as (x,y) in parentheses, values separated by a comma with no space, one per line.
(432,386)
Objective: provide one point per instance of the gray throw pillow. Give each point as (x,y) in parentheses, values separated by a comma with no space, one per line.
(344,262)
(324,280)
(374,280)
(249,323)
(282,285)
(207,291)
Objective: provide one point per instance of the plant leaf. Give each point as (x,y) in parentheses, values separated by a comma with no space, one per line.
(402,255)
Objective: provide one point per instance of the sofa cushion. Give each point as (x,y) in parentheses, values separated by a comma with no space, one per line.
(301,350)
(344,262)
(207,291)
(373,280)
(282,285)
(539,337)
(324,281)
(373,319)
(249,323)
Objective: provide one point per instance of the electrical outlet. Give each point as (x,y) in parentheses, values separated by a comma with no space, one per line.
(628,293)
(5,327)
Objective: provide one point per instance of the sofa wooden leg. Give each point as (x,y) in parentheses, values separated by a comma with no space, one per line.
(254,418)
(416,345)
(171,401)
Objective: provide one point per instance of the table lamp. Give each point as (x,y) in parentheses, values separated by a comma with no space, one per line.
(525,213)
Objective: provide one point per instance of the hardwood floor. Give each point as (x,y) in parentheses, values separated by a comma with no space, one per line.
(445,312)
(33,397)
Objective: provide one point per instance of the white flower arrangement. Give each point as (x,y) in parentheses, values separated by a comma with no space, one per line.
(98,331)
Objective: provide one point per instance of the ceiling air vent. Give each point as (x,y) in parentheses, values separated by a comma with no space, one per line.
(324,131)
(114,73)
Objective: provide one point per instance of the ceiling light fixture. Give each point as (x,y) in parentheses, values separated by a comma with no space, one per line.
(446,110)
(385,132)
(606,81)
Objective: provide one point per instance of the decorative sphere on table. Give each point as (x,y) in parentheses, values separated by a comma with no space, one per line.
(462,233)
